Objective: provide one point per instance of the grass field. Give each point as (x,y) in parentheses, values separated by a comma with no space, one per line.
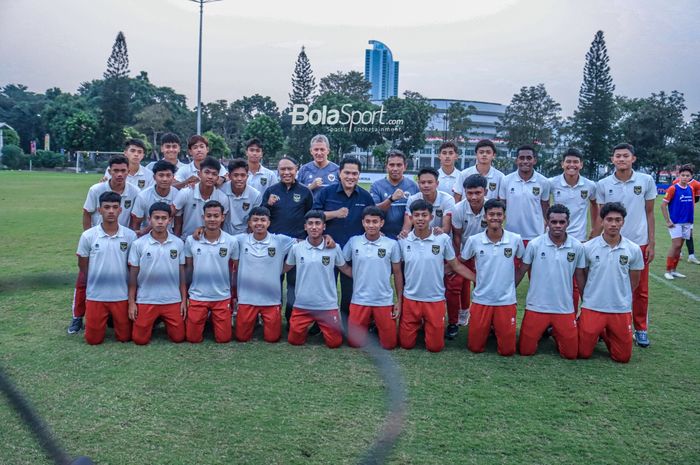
(261,403)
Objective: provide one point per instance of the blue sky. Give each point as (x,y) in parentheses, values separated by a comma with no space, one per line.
(447,49)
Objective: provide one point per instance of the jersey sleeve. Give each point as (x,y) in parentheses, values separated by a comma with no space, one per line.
(139,208)
(83,245)
(301,173)
(468,249)
(546,188)
(456,215)
(458,187)
(181,252)
(180,174)
(600,193)
(347,251)
(291,257)
(235,248)
(502,189)
(580,256)
(519,248)
(592,191)
(257,200)
(339,259)
(449,253)
(134,255)
(91,201)
(395,253)
(529,253)
(180,201)
(650,193)
(637,259)
(374,192)
(188,247)
(670,193)
(319,201)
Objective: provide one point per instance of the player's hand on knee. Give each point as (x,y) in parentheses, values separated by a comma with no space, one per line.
(133,311)
(183,309)
(396,311)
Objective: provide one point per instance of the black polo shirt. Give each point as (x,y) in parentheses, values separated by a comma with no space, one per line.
(287,214)
(332,198)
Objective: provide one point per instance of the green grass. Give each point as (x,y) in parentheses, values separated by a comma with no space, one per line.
(261,403)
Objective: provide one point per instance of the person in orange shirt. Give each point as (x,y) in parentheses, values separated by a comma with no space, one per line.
(695,185)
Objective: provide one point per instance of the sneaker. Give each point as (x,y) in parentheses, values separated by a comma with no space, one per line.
(693,260)
(463,317)
(676,274)
(668,275)
(642,338)
(76,325)
(451,331)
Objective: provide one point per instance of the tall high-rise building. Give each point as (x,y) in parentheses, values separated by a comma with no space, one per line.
(382,71)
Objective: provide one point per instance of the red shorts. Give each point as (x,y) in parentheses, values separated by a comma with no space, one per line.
(147,314)
(565,332)
(221,313)
(96,315)
(501,317)
(328,321)
(248,315)
(615,328)
(358,324)
(415,314)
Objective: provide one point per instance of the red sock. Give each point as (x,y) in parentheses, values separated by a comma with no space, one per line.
(670,263)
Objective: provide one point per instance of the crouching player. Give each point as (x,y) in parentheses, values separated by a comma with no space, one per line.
(424,255)
(555,259)
(374,258)
(614,267)
(316,289)
(207,265)
(103,251)
(157,285)
(258,277)
(494,300)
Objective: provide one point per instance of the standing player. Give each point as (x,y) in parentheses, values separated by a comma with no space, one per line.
(555,258)
(320,172)
(614,267)
(448,173)
(391,193)
(198,149)
(119,168)
(374,258)
(139,176)
(241,197)
(190,200)
(317,291)
(260,264)
(208,268)
(102,258)
(259,177)
(442,203)
(424,255)
(170,150)
(695,184)
(637,193)
(678,209)
(157,287)
(494,301)
(161,191)
(485,151)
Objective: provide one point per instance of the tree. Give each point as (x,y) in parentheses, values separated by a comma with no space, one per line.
(56,113)
(218,148)
(9,137)
(153,119)
(414,112)
(269,132)
(593,119)
(14,158)
(687,146)
(303,81)
(256,105)
(457,121)
(133,133)
(533,117)
(352,85)
(22,109)
(80,131)
(114,101)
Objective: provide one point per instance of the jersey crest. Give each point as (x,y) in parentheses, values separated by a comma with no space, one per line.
(492,186)
(484,223)
(296,197)
(637,190)
(123,246)
(508,252)
(271,251)
(173,253)
(438,212)
(536,190)
(245,206)
(141,183)
(263,181)
(570,256)
(127,203)
(331,177)
(584,195)
(623,260)
(381,253)
(435,249)
(223,251)
(325,260)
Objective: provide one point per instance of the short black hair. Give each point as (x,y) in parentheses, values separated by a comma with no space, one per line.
(163,165)
(572,152)
(136,142)
(687,167)
(350,161)
(288,158)
(396,153)
(210,162)
(252,142)
(118,160)
(624,146)
(110,197)
(526,147)
(558,208)
(494,203)
(615,207)
(259,211)
(421,205)
(237,163)
(473,181)
(448,145)
(485,143)
(213,204)
(373,210)
(318,214)
(160,207)
(429,170)
(196,139)
(169,138)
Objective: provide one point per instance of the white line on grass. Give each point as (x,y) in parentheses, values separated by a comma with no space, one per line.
(675,288)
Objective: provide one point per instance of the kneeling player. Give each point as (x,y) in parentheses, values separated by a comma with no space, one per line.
(258,277)
(208,271)
(102,257)
(316,289)
(494,301)
(614,267)
(555,258)
(374,258)
(157,287)
(424,255)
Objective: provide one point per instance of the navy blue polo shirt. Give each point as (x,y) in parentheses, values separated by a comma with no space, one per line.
(287,214)
(332,198)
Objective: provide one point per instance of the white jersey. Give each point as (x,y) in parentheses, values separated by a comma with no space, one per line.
(524,214)
(108,274)
(263,179)
(371,269)
(316,287)
(260,265)
(92,202)
(494,178)
(608,287)
(442,206)
(552,273)
(446,182)
(159,264)
(148,197)
(211,276)
(190,205)
(141,180)
(464,218)
(239,207)
(188,170)
(424,268)
(577,199)
(632,194)
(495,267)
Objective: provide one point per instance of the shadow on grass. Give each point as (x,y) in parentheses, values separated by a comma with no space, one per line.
(37,281)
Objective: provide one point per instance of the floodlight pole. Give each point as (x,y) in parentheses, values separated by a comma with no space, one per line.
(199,64)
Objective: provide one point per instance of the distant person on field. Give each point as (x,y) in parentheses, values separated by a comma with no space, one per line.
(695,184)
(678,209)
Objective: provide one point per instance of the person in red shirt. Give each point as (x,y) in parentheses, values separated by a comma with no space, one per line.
(695,185)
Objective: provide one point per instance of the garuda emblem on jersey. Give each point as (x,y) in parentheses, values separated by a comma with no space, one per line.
(435,249)
(536,190)
(263,181)
(296,197)
(381,253)
(508,252)
(331,177)
(492,186)
(127,203)
(173,253)
(484,223)
(271,251)
(637,190)
(123,246)
(584,194)
(571,256)
(245,206)
(325,260)
(438,212)
(141,183)
(223,251)
(623,260)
